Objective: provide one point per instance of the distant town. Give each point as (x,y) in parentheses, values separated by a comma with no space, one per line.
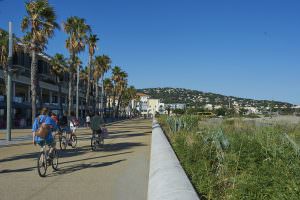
(179,100)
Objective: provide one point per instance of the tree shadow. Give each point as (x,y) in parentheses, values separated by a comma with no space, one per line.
(73,152)
(16,144)
(78,167)
(62,153)
(19,157)
(128,135)
(132,127)
(6,171)
(121,146)
(85,159)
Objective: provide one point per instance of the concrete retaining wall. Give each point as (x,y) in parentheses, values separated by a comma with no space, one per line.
(167,179)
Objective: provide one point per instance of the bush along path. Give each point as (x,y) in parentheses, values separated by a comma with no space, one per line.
(236,159)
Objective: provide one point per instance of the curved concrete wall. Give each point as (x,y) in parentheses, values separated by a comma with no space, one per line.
(167,179)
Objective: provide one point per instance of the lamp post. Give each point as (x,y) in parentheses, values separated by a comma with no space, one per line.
(8,92)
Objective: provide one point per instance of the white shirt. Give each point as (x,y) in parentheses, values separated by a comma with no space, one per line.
(88,119)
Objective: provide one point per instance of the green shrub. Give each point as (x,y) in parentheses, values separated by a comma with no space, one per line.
(236,159)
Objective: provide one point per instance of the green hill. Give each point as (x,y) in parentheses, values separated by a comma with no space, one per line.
(194,98)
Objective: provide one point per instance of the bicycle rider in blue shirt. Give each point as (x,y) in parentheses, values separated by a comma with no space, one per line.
(49,140)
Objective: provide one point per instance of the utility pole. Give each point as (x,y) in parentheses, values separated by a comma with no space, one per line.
(8,92)
(77,93)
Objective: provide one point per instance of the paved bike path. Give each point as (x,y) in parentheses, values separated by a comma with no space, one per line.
(119,171)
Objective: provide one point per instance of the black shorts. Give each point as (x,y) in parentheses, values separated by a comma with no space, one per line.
(97,131)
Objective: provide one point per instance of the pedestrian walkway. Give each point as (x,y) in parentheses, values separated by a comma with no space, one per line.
(120,171)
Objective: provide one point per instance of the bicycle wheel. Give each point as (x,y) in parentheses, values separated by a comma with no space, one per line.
(94,143)
(42,165)
(73,140)
(63,143)
(101,141)
(55,160)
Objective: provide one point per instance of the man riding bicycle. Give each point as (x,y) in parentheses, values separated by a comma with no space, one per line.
(96,123)
(41,120)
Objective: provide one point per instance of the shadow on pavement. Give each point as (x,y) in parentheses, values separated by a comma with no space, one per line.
(62,153)
(6,171)
(85,159)
(19,157)
(121,146)
(128,135)
(77,167)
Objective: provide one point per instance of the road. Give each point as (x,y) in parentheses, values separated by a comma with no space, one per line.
(119,171)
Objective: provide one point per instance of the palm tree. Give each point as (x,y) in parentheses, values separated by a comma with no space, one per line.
(77,30)
(58,68)
(108,88)
(72,68)
(92,42)
(115,79)
(84,76)
(4,55)
(39,25)
(102,65)
(122,85)
(132,96)
(128,96)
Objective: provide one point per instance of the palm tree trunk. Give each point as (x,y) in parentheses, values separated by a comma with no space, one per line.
(118,106)
(97,96)
(59,96)
(102,96)
(114,103)
(70,99)
(33,82)
(109,103)
(70,93)
(87,96)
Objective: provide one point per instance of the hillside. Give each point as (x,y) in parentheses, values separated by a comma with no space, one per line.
(198,98)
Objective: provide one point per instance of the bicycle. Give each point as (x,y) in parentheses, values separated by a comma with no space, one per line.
(64,139)
(45,160)
(97,140)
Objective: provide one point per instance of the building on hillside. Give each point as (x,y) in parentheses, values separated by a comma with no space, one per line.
(251,110)
(208,107)
(218,107)
(174,106)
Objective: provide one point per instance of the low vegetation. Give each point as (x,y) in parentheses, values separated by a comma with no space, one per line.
(236,158)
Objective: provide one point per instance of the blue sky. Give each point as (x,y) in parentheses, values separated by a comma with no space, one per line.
(246,48)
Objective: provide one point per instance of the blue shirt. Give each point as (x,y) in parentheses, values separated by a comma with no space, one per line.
(49,121)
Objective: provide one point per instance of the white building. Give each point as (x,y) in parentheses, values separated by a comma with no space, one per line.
(142,105)
(174,106)
(153,106)
(208,107)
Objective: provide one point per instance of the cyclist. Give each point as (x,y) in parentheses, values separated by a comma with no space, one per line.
(54,117)
(49,140)
(74,123)
(96,123)
(64,125)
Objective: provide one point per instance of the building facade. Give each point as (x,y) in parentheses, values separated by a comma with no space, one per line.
(47,90)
